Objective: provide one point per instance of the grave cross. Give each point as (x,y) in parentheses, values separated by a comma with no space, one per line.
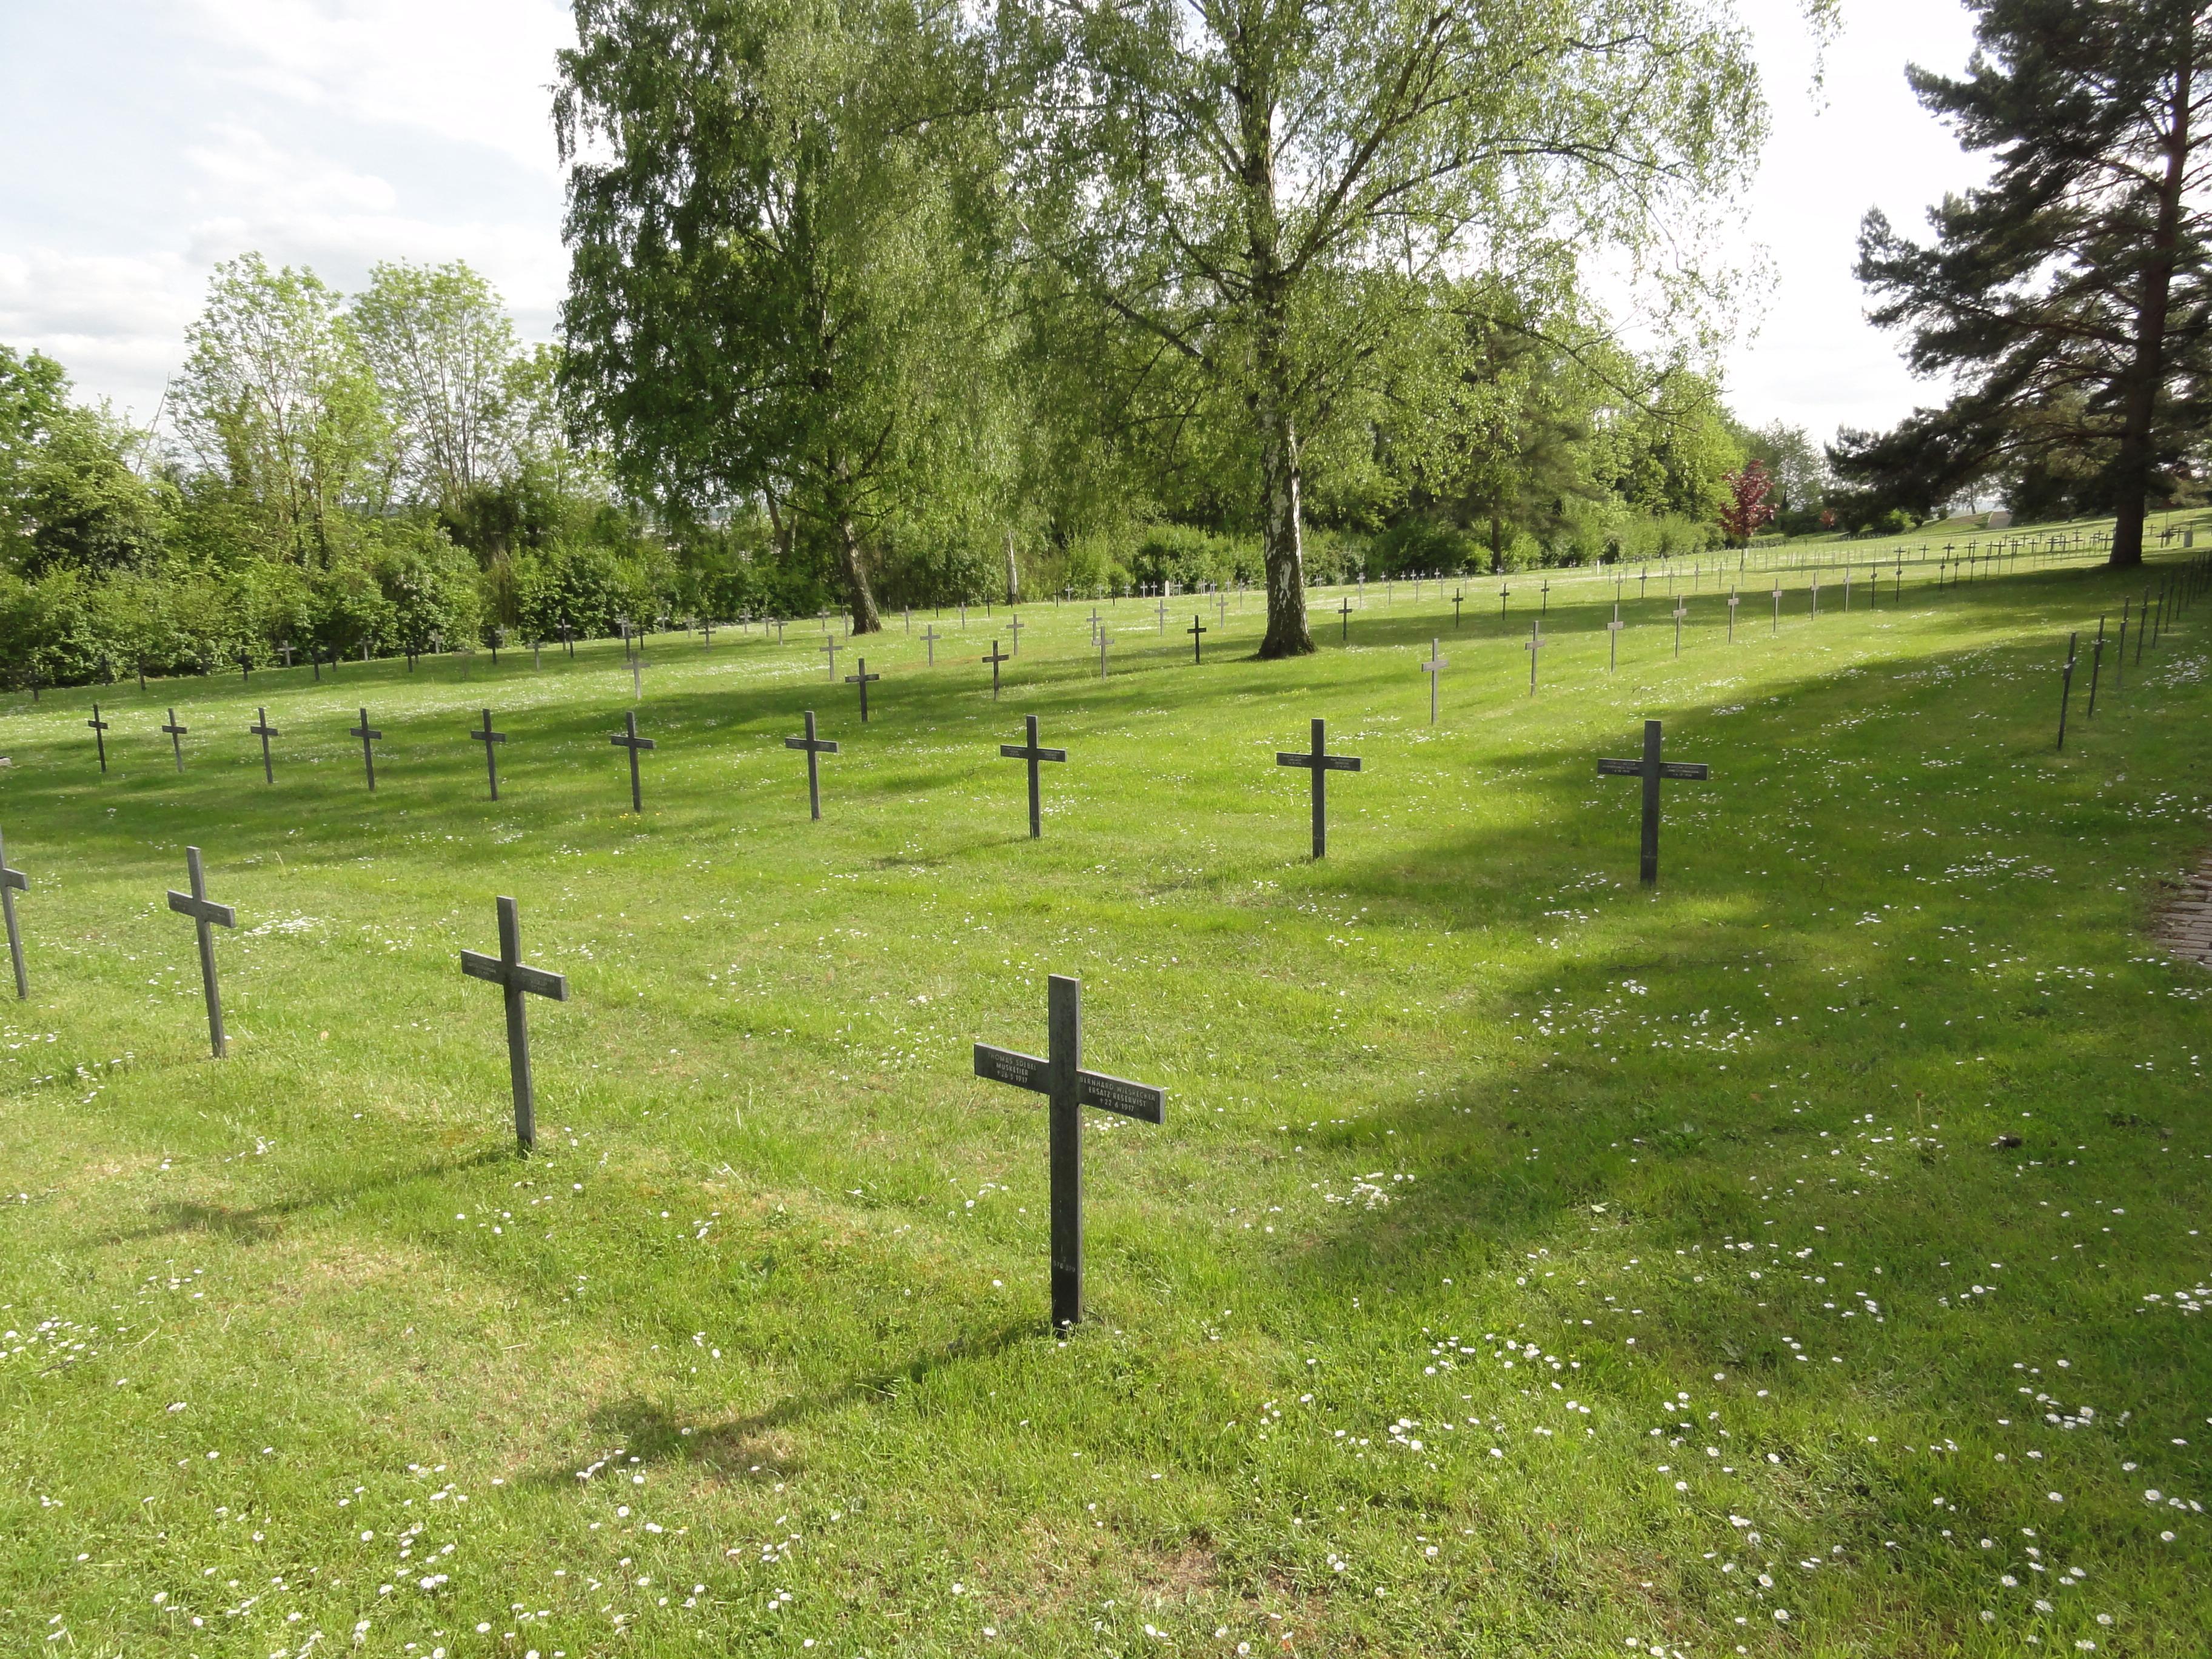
(1014,626)
(1613,640)
(488,738)
(815,748)
(1651,769)
(1534,646)
(1345,610)
(367,734)
(832,646)
(2096,668)
(2120,655)
(864,679)
(1197,630)
(99,735)
(1320,763)
(13,882)
(1061,1077)
(1544,606)
(1682,610)
(1735,599)
(1777,605)
(996,657)
(262,730)
(1434,668)
(1164,614)
(2066,688)
(1104,639)
(205,914)
(1502,591)
(1816,595)
(177,737)
(1458,599)
(1030,752)
(628,738)
(929,639)
(513,976)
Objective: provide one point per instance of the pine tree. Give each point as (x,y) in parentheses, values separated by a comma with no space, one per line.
(2070,297)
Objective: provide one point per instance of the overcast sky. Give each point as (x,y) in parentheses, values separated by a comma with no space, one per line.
(145,140)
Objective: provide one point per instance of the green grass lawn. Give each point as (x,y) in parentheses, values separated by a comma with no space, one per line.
(1803,1258)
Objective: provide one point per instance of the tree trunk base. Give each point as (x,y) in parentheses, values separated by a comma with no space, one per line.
(1274,650)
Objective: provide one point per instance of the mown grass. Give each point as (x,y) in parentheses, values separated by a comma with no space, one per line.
(1529,1264)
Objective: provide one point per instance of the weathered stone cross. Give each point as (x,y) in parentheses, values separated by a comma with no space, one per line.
(1651,769)
(1060,1078)
(1613,640)
(996,657)
(864,679)
(205,914)
(515,978)
(488,738)
(99,735)
(368,735)
(1434,668)
(815,748)
(177,737)
(929,639)
(1320,763)
(262,730)
(1197,630)
(1032,754)
(628,738)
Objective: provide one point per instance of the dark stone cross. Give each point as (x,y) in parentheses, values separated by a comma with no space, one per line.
(508,971)
(1320,763)
(2066,688)
(864,679)
(996,657)
(100,737)
(488,738)
(1060,1078)
(707,630)
(1197,630)
(628,738)
(1651,769)
(1503,590)
(568,639)
(815,748)
(1458,599)
(13,882)
(177,737)
(1032,754)
(245,666)
(262,730)
(205,914)
(2096,667)
(1345,610)
(367,734)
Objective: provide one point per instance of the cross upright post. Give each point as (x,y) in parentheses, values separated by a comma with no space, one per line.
(13,882)
(996,657)
(1681,611)
(1612,641)
(1777,605)
(488,738)
(1014,626)
(1458,599)
(1502,590)
(100,737)
(1345,610)
(368,735)
(1434,668)
(1651,768)
(628,738)
(831,645)
(1816,594)
(2120,652)
(1104,639)
(206,915)
(1544,603)
(2096,668)
(929,639)
(2066,688)
(1197,630)
(262,730)
(1029,752)
(177,737)
(1320,763)
(517,979)
(1164,614)
(1060,1077)
(1534,648)
(864,679)
(815,748)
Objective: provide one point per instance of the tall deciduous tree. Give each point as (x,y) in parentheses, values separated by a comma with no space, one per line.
(276,394)
(444,352)
(2071,296)
(766,300)
(1268,187)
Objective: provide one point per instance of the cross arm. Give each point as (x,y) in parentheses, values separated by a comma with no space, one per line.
(820,745)
(1016,751)
(1696,772)
(536,981)
(624,740)
(14,878)
(1007,1066)
(203,909)
(1113,1094)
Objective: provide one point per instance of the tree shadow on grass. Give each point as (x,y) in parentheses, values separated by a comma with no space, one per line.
(253,1223)
(643,1432)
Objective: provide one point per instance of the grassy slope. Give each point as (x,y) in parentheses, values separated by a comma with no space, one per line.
(1527,1265)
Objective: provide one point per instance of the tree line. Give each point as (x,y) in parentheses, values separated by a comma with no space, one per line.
(881,302)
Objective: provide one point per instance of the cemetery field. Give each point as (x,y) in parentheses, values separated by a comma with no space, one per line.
(1803,1257)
